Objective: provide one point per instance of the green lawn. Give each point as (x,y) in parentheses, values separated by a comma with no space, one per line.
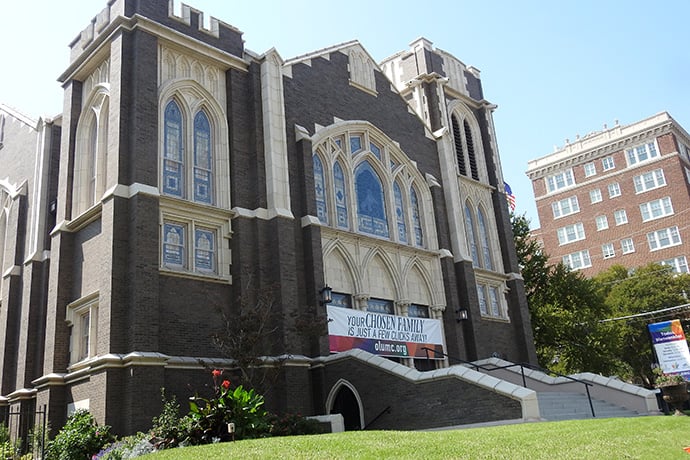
(653,437)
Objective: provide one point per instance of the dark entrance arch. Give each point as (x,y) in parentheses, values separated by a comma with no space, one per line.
(345,403)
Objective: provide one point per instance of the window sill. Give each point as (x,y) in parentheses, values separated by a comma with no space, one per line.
(214,278)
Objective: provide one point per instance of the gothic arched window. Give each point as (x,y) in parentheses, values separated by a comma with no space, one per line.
(416,218)
(173,153)
(340,193)
(320,190)
(371,209)
(484,240)
(203,170)
(470,233)
(400,213)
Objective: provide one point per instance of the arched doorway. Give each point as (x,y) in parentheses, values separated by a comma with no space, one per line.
(344,400)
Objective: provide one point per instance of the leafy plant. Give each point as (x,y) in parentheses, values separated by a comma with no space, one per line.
(662,380)
(80,438)
(168,427)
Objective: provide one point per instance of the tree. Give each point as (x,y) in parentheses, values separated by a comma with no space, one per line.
(634,299)
(565,310)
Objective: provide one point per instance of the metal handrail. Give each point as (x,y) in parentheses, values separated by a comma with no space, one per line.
(522,372)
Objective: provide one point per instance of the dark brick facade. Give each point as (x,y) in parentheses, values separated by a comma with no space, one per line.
(155,325)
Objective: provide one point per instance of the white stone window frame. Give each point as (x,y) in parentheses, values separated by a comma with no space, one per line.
(663,205)
(620,216)
(462,113)
(627,246)
(658,178)
(404,171)
(632,155)
(614,190)
(571,233)
(487,283)
(679,264)
(595,196)
(75,314)
(193,216)
(192,98)
(583,257)
(608,251)
(655,238)
(602,222)
(608,163)
(590,169)
(91,154)
(570,204)
(566,177)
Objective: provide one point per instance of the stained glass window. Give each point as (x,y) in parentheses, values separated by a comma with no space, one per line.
(471,241)
(340,195)
(173,156)
(204,250)
(400,213)
(416,219)
(380,306)
(371,210)
(174,245)
(355,144)
(484,238)
(341,300)
(202,159)
(320,190)
(418,311)
(375,150)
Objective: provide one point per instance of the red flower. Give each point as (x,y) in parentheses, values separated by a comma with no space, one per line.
(216,373)
(225,384)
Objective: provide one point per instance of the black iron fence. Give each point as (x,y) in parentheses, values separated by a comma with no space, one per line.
(24,431)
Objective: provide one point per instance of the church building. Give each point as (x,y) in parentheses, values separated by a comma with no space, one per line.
(355,210)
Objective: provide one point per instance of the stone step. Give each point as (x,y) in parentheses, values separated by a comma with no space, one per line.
(570,406)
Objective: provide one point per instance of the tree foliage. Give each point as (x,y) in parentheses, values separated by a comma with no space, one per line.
(565,309)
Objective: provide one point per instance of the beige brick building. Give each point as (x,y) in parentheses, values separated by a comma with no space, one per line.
(618,196)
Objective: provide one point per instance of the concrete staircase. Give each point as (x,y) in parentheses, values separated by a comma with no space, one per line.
(572,406)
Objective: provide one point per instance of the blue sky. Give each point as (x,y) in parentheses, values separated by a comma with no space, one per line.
(555,69)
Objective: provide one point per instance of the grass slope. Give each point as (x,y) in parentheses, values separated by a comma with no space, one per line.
(654,437)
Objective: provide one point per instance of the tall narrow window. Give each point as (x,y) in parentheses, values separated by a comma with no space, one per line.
(205,250)
(471,240)
(416,219)
(203,171)
(340,193)
(92,159)
(484,239)
(371,210)
(400,213)
(470,150)
(174,238)
(320,190)
(459,151)
(173,161)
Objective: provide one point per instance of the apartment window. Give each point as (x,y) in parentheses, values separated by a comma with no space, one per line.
(621,216)
(595,195)
(82,317)
(656,209)
(590,169)
(565,207)
(607,163)
(571,233)
(679,264)
(602,222)
(687,175)
(649,180)
(577,260)
(607,250)
(641,153)
(627,246)
(663,238)
(614,190)
(560,180)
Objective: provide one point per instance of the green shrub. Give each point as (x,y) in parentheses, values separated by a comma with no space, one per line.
(169,429)
(79,439)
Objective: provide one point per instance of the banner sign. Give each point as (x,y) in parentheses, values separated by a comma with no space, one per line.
(671,347)
(382,334)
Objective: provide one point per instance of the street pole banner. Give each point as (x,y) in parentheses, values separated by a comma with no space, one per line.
(382,334)
(671,347)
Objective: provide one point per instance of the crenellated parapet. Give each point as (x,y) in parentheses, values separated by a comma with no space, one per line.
(181,18)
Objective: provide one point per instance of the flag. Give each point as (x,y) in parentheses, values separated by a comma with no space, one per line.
(509,196)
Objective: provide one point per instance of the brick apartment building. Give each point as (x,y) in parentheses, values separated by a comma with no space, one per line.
(619,196)
(187,172)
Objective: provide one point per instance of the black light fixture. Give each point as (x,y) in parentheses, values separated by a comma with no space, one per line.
(462,314)
(326,295)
